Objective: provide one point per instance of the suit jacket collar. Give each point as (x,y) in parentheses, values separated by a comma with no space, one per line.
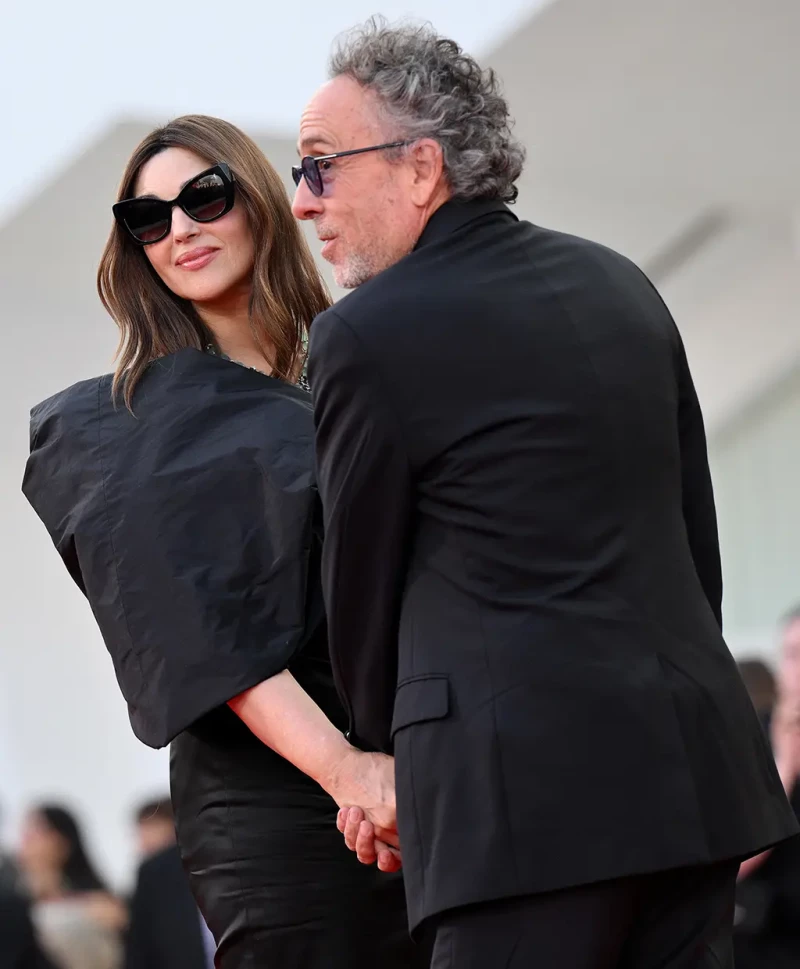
(455,214)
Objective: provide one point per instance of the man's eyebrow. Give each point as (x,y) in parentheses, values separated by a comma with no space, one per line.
(306,145)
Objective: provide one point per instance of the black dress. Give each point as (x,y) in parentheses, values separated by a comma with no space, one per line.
(192,526)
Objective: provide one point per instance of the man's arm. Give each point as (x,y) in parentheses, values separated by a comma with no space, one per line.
(699,511)
(365,485)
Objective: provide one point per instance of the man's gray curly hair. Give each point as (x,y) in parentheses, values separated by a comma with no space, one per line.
(427,87)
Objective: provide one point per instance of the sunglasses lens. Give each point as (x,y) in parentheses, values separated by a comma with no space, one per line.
(207,198)
(310,170)
(147,220)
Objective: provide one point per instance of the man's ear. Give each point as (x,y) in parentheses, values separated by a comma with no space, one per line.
(427,162)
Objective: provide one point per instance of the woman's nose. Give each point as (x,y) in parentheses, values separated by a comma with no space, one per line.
(183,227)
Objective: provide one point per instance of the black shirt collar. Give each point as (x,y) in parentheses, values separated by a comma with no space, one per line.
(455,214)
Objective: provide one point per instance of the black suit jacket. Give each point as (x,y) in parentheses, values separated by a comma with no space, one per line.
(522,571)
(165,931)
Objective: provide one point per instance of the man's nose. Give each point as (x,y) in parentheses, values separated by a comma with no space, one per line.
(305,204)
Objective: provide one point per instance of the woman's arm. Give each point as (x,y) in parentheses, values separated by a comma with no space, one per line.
(284,717)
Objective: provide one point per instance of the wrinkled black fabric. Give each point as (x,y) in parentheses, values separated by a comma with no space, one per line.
(272,875)
(189,525)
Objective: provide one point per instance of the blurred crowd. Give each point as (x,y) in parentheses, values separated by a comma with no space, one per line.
(57,911)
(768,896)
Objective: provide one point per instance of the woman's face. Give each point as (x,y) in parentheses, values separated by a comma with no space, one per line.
(40,847)
(204,262)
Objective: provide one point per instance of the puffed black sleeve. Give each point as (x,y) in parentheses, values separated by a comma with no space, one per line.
(366,490)
(188,525)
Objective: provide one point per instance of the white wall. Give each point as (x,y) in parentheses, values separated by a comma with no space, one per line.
(756,468)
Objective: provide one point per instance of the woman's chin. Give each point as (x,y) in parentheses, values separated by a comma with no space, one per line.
(212,290)
(201,292)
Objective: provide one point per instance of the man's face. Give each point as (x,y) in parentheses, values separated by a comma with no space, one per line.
(789,667)
(365,217)
(153,835)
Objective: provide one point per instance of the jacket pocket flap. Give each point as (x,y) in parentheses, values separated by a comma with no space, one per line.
(417,700)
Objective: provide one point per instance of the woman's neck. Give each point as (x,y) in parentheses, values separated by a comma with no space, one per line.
(229,323)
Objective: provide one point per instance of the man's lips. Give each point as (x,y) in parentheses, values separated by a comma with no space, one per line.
(327,242)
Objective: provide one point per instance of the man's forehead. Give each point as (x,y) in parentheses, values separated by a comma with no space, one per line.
(336,117)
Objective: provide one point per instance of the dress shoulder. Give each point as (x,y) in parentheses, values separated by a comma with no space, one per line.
(189,524)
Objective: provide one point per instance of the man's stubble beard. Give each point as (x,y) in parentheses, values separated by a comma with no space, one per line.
(360,268)
(355,271)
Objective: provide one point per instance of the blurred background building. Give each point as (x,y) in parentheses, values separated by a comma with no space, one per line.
(666,130)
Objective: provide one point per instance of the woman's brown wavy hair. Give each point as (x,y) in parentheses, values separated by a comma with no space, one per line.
(287,293)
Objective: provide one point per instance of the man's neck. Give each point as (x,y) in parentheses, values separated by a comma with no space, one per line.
(437,200)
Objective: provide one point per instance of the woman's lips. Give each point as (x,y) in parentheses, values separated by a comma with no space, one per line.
(197,258)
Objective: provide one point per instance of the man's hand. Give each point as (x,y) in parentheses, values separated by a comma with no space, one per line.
(359,836)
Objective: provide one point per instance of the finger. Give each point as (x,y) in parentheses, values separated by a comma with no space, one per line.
(365,844)
(389,863)
(389,836)
(388,850)
(389,859)
(354,818)
(341,819)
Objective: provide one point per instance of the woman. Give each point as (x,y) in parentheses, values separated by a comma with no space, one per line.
(78,920)
(180,494)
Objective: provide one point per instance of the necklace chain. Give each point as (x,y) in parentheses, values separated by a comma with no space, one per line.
(210,348)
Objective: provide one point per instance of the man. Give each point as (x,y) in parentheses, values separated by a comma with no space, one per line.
(521,563)
(166,930)
(155,827)
(768,896)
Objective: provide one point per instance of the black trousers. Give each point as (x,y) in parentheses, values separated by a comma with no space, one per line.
(681,919)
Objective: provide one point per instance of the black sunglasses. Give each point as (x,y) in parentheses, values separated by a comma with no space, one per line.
(309,165)
(208,196)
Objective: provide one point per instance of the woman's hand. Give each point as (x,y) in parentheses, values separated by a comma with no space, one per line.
(362,784)
(284,717)
(366,780)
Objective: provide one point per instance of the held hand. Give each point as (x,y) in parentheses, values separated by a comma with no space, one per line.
(359,836)
(366,781)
